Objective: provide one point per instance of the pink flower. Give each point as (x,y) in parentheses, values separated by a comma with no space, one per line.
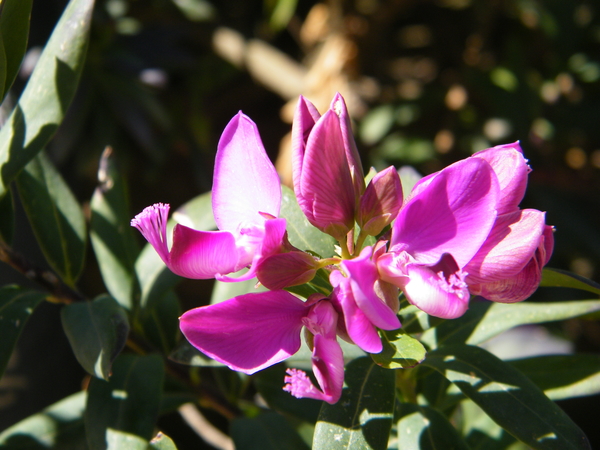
(253,331)
(246,201)
(328,175)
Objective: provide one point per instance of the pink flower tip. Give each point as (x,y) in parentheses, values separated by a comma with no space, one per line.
(152,223)
(299,385)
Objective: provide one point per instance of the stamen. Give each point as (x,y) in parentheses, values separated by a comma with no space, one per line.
(300,386)
(152,223)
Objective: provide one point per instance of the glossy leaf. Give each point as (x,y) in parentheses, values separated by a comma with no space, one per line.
(301,233)
(562,278)
(14,31)
(562,376)
(425,428)
(97,332)
(58,427)
(128,403)
(48,93)
(485,320)
(400,351)
(7,224)
(162,442)
(16,305)
(112,237)
(55,216)
(362,418)
(508,397)
(267,431)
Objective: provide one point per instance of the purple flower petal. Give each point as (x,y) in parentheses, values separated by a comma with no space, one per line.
(245,181)
(282,270)
(381,202)
(152,223)
(249,332)
(305,118)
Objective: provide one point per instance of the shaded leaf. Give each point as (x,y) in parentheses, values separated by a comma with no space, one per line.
(16,305)
(159,320)
(267,431)
(425,428)
(55,216)
(562,278)
(508,397)
(58,427)
(128,403)
(97,332)
(414,320)
(14,31)
(562,376)
(301,233)
(186,353)
(48,93)
(111,234)
(7,212)
(485,320)
(400,351)
(362,418)
(482,433)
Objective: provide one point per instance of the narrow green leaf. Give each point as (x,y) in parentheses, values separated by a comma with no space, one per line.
(425,428)
(562,278)
(508,397)
(55,216)
(162,442)
(2,62)
(16,305)
(128,403)
(267,431)
(414,320)
(484,320)
(48,93)
(362,418)
(482,433)
(562,376)
(301,233)
(14,31)
(7,213)
(58,427)
(112,236)
(400,351)
(97,332)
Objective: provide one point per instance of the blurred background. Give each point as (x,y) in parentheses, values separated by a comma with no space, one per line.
(427,83)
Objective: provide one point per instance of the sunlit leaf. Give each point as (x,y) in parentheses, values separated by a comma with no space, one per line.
(128,403)
(162,442)
(301,233)
(362,418)
(197,213)
(267,431)
(400,351)
(425,428)
(562,278)
(562,376)
(485,320)
(58,427)
(112,236)
(97,332)
(14,31)
(48,93)
(55,216)
(508,397)
(16,305)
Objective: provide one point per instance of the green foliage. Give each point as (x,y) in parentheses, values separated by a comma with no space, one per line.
(14,31)
(400,351)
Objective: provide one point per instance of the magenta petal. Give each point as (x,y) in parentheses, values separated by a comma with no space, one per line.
(453,214)
(511,169)
(245,181)
(152,223)
(327,193)
(305,117)
(249,332)
(509,247)
(381,202)
(202,254)
(282,270)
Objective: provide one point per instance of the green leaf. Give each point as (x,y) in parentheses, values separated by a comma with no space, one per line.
(414,320)
(186,353)
(362,418)
(16,305)
(48,93)
(197,213)
(2,63)
(159,320)
(7,223)
(400,351)
(14,31)
(508,397)
(562,278)
(482,433)
(55,216)
(267,431)
(116,439)
(224,291)
(58,427)
(485,320)
(128,403)
(562,376)
(97,332)
(112,236)
(425,428)
(301,233)
(162,442)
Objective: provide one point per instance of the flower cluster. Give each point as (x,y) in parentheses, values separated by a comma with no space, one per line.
(460,232)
